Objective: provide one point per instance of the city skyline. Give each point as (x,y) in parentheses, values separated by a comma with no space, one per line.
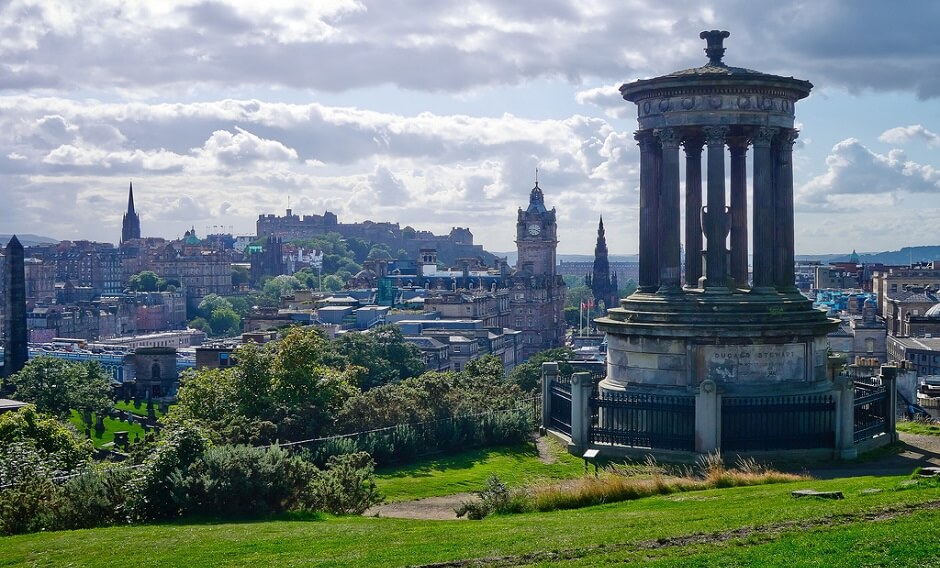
(436,116)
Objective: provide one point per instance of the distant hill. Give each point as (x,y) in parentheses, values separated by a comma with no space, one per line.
(905,256)
(28,239)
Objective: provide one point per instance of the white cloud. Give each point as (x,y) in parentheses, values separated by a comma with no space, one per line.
(908,134)
(857,178)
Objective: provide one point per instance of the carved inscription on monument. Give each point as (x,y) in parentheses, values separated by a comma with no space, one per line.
(753,363)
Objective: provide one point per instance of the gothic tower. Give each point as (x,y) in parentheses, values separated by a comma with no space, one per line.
(15,345)
(130,228)
(537,299)
(536,236)
(603,287)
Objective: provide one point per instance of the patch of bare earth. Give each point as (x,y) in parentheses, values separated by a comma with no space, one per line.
(432,508)
(546,455)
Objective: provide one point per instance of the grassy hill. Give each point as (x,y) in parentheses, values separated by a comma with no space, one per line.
(881,521)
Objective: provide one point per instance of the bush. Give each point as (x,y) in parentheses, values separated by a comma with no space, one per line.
(157,491)
(27,488)
(495,498)
(242,480)
(96,498)
(346,486)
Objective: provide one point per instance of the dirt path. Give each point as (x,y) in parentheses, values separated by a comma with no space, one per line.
(432,508)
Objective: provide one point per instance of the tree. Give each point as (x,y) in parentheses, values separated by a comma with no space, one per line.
(280,286)
(146,281)
(53,439)
(332,283)
(384,355)
(239,276)
(57,386)
(284,390)
(529,374)
(210,303)
(224,321)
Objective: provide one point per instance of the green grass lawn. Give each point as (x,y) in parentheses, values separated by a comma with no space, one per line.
(468,471)
(759,525)
(141,411)
(110,427)
(617,532)
(921,428)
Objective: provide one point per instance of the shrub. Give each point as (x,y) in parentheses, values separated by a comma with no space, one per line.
(157,491)
(97,497)
(346,486)
(496,498)
(242,480)
(26,488)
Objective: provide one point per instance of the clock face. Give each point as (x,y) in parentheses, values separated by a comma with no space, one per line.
(535,230)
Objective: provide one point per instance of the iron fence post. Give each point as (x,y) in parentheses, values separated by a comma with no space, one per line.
(889,378)
(844,394)
(549,374)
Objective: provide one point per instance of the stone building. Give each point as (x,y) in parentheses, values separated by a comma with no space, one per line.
(536,290)
(899,306)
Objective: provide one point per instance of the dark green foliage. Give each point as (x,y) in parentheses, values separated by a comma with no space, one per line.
(283,390)
(156,492)
(96,498)
(242,481)
(384,355)
(529,374)
(403,442)
(26,487)
(56,386)
(346,486)
(55,442)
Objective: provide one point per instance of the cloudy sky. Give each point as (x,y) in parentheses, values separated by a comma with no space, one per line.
(437,114)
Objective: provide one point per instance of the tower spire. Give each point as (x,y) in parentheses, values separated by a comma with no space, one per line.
(130,227)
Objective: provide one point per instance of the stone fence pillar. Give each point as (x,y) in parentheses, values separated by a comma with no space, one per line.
(889,378)
(707,418)
(844,395)
(581,386)
(549,374)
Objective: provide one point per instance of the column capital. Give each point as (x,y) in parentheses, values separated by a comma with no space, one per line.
(645,139)
(787,136)
(668,137)
(715,135)
(763,136)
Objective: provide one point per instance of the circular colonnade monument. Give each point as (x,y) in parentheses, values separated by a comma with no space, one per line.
(703,326)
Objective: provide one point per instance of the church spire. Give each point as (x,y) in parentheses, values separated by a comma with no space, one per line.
(130,227)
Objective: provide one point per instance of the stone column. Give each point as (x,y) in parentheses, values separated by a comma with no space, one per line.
(693,210)
(715,214)
(889,378)
(763,211)
(784,254)
(582,384)
(844,395)
(707,418)
(549,374)
(649,211)
(669,228)
(738,148)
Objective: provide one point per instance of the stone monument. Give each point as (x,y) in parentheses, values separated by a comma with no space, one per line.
(15,344)
(703,327)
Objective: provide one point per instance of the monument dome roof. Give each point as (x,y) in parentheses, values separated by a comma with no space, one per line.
(713,74)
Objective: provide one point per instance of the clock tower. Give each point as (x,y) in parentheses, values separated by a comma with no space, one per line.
(536,236)
(537,297)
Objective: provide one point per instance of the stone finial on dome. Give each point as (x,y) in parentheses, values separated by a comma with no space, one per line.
(714,48)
